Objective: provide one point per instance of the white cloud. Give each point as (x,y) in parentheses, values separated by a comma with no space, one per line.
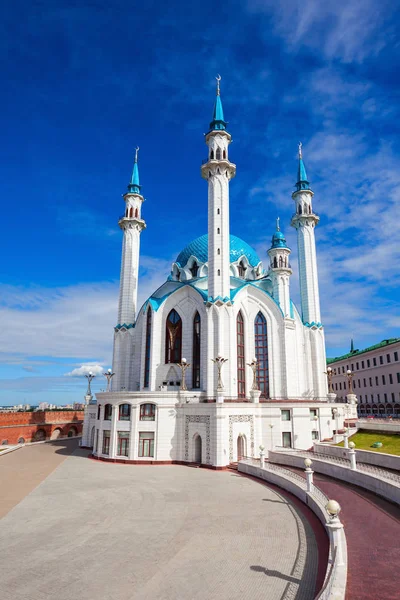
(86,369)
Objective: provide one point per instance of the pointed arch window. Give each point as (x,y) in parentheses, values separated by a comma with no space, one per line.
(261,347)
(212,155)
(218,154)
(195,269)
(224,154)
(130,212)
(148,350)
(173,338)
(196,351)
(241,363)
(242,269)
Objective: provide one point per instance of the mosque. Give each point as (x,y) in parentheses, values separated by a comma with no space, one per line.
(218,360)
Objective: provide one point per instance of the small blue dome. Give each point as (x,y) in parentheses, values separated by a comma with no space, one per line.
(199,249)
(278,240)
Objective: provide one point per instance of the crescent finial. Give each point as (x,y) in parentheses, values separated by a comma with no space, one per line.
(136,153)
(300,151)
(218,78)
(277,224)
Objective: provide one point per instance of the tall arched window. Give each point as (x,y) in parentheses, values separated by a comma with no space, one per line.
(242,269)
(241,363)
(196,352)
(194,270)
(218,154)
(148,349)
(173,338)
(261,346)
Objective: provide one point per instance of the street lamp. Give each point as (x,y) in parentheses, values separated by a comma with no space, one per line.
(333,509)
(90,378)
(219,361)
(109,375)
(253,366)
(350,376)
(183,365)
(329,374)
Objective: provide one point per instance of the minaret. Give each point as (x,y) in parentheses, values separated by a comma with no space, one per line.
(305,220)
(280,270)
(132,225)
(218,171)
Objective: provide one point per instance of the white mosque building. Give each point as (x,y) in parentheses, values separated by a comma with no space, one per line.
(218,361)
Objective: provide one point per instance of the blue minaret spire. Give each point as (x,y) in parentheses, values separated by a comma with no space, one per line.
(302,181)
(218,121)
(134,186)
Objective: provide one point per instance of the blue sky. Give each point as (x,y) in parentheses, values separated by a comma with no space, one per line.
(84,83)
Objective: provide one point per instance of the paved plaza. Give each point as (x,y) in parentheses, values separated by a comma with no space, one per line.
(97,530)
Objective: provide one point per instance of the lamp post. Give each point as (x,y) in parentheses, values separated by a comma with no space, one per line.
(333,509)
(253,366)
(219,361)
(350,376)
(329,375)
(262,454)
(183,365)
(352,456)
(309,474)
(346,437)
(90,378)
(335,412)
(109,375)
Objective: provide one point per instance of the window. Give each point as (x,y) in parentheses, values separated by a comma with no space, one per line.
(383,380)
(241,363)
(124,412)
(340,385)
(352,367)
(388,359)
(98,411)
(218,251)
(106,441)
(365,382)
(313,413)
(376,381)
(218,211)
(194,270)
(123,443)
(314,435)
(196,352)
(261,351)
(398,377)
(285,415)
(372,397)
(368,363)
(342,369)
(286,439)
(147,412)
(360,398)
(385,397)
(173,338)
(390,378)
(344,385)
(354,384)
(357,367)
(218,154)
(107,412)
(146,444)
(381,360)
(219,272)
(96,448)
(241,269)
(370,381)
(147,350)
(392,396)
(362,364)
(396,356)
(218,230)
(378,397)
(359,383)
(374,361)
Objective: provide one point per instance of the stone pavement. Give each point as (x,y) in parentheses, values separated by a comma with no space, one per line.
(98,530)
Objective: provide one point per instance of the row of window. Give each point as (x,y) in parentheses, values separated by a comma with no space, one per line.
(145,449)
(343,369)
(286,414)
(378,397)
(287,438)
(147,412)
(357,382)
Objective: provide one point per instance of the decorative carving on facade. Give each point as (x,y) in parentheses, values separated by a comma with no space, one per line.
(240,419)
(198,419)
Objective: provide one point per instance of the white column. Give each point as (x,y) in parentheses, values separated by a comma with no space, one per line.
(129,271)
(113,431)
(352,457)
(308,274)
(335,528)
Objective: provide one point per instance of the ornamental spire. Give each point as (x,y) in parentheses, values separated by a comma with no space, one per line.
(302,181)
(134,186)
(218,121)
(277,224)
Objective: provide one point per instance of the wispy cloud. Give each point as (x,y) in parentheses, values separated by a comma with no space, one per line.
(86,369)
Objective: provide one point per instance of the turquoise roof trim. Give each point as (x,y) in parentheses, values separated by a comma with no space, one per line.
(302,181)
(218,122)
(199,249)
(126,325)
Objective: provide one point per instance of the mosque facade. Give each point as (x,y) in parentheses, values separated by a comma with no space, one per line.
(218,361)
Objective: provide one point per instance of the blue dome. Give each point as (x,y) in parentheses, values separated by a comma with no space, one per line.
(199,249)
(278,240)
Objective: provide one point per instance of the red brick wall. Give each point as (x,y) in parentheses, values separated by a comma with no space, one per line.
(32,425)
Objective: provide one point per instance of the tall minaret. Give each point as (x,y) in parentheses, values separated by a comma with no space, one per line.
(304,220)
(132,225)
(218,171)
(280,270)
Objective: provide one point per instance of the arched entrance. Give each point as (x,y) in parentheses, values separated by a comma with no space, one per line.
(197,449)
(72,432)
(92,437)
(39,436)
(56,434)
(241,446)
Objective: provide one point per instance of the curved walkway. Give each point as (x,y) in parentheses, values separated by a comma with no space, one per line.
(372,527)
(98,530)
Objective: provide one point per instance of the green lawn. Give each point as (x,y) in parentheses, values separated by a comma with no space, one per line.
(364,440)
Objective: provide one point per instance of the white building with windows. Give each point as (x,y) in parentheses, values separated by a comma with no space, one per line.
(220,312)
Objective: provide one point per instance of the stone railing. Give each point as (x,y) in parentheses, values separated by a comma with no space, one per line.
(378,459)
(334,587)
(379,481)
